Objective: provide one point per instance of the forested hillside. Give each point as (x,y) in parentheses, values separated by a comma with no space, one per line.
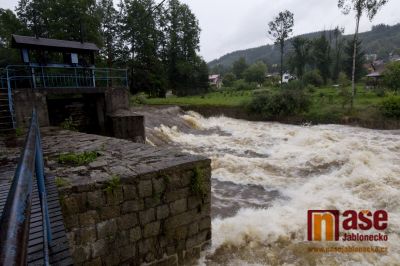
(381,40)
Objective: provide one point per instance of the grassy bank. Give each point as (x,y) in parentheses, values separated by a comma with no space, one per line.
(327,104)
(220,98)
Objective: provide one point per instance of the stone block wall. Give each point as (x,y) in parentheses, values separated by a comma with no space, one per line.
(157,218)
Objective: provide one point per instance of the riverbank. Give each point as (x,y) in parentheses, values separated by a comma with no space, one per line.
(327,107)
(366,120)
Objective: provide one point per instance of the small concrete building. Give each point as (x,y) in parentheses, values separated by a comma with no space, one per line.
(59,78)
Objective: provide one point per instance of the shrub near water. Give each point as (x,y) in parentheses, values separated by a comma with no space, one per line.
(390,107)
(282,103)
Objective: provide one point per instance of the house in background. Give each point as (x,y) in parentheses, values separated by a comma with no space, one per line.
(215,80)
(287,77)
(375,74)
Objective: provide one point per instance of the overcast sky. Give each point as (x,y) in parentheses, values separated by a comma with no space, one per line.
(229,25)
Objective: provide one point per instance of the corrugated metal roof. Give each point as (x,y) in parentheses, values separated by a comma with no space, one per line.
(19,41)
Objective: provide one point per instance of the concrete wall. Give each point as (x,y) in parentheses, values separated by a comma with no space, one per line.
(24,101)
(106,101)
(127,126)
(117,99)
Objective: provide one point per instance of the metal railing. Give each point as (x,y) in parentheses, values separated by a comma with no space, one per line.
(4,84)
(20,76)
(15,219)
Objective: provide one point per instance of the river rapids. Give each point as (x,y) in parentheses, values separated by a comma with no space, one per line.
(265,176)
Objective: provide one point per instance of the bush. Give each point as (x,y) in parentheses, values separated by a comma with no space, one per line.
(311,88)
(314,78)
(229,79)
(285,102)
(390,107)
(345,94)
(392,76)
(242,85)
(138,99)
(271,81)
(255,73)
(294,85)
(343,80)
(69,124)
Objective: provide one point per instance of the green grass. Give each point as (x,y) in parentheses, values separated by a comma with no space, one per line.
(329,105)
(113,183)
(222,98)
(61,182)
(78,159)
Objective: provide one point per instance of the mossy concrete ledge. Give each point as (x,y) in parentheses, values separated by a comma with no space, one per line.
(132,204)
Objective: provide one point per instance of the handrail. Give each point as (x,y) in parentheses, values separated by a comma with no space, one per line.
(65,76)
(14,222)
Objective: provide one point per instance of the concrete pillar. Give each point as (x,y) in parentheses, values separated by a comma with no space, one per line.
(128,126)
(116,99)
(24,101)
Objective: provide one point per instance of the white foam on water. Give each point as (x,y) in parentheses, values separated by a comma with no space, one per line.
(313,167)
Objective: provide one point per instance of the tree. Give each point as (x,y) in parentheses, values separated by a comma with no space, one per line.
(349,63)
(392,76)
(256,73)
(239,66)
(184,39)
(229,79)
(140,33)
(322,57)
(9,24)
(280,29)
(371,7)
(313,77)
(61,19)
(300,56)
(220,69)
(339,43)
(110,31)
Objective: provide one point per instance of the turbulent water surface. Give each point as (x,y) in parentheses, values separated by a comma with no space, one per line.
(265,176)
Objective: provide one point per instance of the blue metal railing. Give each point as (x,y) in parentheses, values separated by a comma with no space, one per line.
(15,219)
(37,77)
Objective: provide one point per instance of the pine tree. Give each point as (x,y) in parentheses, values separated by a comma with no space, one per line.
(359,60)
(110,31)
(322,58)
